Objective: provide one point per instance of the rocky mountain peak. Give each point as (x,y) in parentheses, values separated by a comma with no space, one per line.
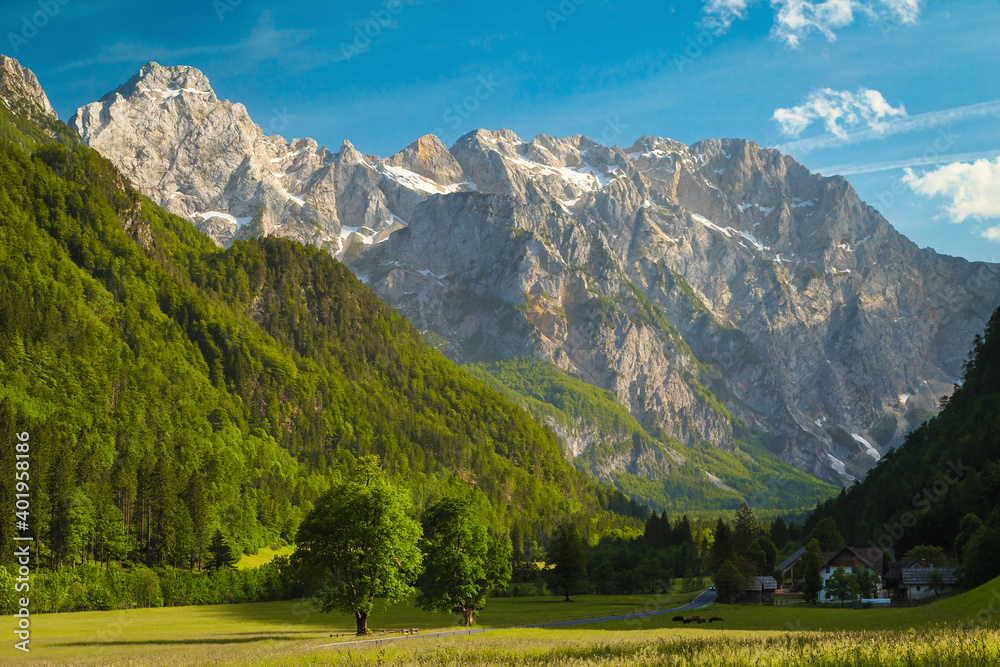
(713,288)
(156,80)
(430,158)
(21,92)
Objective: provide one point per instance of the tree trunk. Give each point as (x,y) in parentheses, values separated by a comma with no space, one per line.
(468,616)
(567,595)
(362,618)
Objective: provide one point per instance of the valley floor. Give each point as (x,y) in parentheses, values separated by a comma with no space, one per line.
(961,630)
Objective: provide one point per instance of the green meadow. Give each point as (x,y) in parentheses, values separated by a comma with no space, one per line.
(962,630)
(182,635)
(263,555)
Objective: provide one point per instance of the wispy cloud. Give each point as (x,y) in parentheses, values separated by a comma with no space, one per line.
(794,20)
(922,161)
(973,188)
(919,122)
(265,42)
(839,110)
(720,14)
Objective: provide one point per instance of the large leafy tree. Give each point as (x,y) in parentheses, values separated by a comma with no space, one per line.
(360,542)
(729,583)
(867,583)
(567,560)
(464,562)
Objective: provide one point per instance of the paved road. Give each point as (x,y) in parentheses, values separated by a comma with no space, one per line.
(703,599)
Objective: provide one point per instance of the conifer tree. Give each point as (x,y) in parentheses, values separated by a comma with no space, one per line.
(566,560)
(220,554)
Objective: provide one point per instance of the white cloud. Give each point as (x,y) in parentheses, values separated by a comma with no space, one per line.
(720,14)
(796,19)
(897,125)
(839,110)
(974,190)
(992,234)
(919,161)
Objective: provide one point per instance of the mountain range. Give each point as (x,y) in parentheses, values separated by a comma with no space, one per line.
(171,388)
(746,313)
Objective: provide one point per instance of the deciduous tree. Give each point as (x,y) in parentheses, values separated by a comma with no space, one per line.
(730,584)
(361,542)
(813,580)
(841,585)
(463,562)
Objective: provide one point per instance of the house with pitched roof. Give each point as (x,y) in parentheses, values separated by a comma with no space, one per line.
(852,559)
(760,589)
(913,580)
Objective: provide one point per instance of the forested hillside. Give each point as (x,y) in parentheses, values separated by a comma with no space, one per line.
(949,468)
(170,387)
(651,466)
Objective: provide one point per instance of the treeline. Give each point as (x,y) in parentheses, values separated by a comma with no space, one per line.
(651,560)
(942,486)
(171,388)
(93,587)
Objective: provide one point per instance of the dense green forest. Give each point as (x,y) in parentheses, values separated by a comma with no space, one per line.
(942,486)
(748,473)
(171,388)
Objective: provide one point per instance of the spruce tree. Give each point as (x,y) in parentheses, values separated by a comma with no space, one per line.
(567,560)
(220,554)
(722,546)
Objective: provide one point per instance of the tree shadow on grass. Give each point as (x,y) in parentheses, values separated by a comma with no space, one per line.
(284,632)
(184,642)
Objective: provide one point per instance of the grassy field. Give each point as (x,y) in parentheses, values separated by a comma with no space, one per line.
(968,609)
(185,635)
(963,629)
(724,648)
(264,555)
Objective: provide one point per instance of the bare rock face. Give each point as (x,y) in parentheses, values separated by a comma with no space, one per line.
(717,289)
(21,93)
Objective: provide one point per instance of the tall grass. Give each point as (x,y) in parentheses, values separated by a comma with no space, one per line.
(897,648)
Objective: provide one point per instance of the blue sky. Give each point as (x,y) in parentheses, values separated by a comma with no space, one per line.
(901,96)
